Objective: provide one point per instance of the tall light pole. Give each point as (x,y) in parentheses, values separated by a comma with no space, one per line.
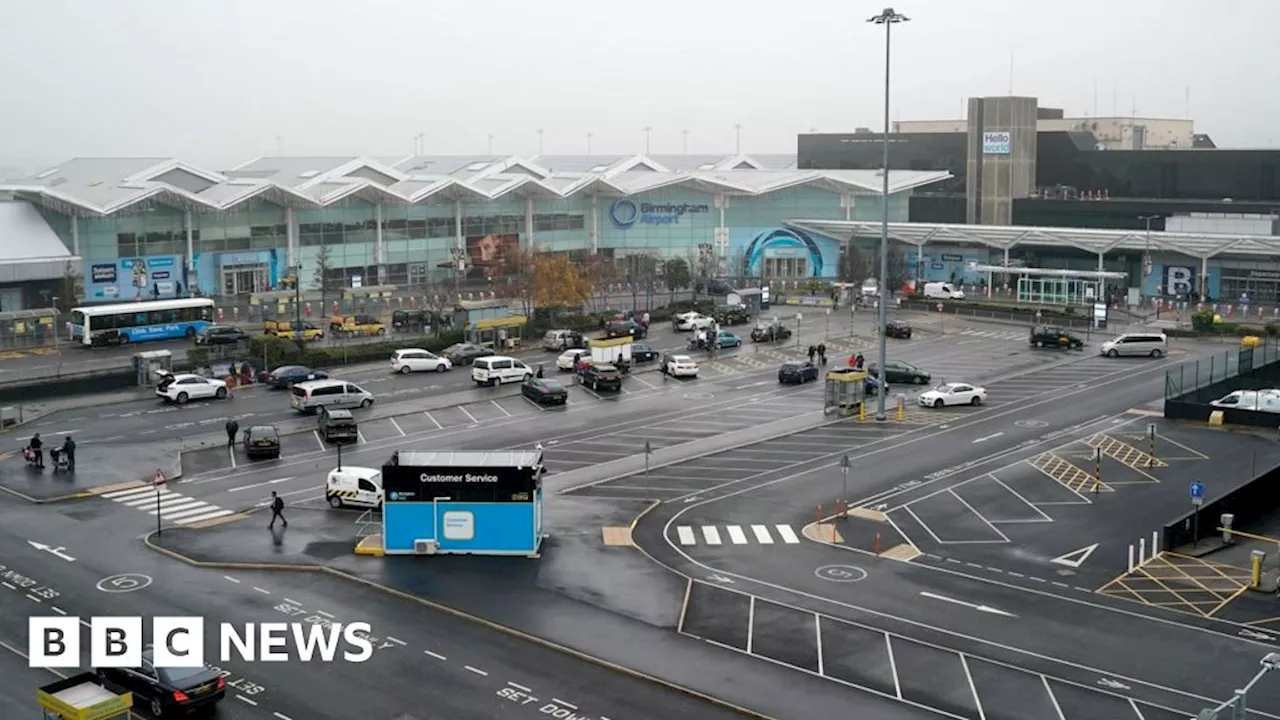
(1147,265)
(737,139)
(647,132)
(417,143)
(589,136)
(490,143)
(539,141)
(887,17)
(685,134)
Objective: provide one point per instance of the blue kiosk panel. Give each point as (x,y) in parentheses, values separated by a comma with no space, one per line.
(472,502)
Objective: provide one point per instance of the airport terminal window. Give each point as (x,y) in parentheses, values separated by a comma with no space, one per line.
(437,227)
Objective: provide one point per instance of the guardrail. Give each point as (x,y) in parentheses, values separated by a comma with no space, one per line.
(1193,375)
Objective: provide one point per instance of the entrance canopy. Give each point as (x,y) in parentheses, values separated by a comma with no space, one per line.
(1046,272)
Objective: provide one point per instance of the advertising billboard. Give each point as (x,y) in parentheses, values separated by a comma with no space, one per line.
(145,278)
(409,483)
(488,256)
(997,143)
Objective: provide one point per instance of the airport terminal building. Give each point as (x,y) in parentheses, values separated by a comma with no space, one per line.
(159,227)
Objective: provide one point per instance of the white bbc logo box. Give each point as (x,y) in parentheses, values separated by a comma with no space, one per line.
(178,642)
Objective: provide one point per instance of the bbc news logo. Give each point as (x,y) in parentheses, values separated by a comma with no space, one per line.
(179,642)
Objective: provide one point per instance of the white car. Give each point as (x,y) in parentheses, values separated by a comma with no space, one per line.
(181,388)
(568,357)
(682,366)
(693,321)
(418,360)
(953,394)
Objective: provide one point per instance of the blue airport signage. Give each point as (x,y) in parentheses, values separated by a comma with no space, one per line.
(1197,491)
(626,214)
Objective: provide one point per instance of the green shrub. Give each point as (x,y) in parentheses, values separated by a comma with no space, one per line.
(1272,329)
(1202,321)
(198,357)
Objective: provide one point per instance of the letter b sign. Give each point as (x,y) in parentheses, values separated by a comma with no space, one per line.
(1179,280)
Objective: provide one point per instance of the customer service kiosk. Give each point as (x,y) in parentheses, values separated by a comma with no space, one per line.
(467,502)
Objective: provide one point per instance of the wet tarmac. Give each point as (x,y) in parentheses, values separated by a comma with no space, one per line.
(97,466)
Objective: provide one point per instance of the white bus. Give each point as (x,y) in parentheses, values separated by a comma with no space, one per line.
(99,325)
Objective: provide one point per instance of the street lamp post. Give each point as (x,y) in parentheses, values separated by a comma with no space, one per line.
(647,131)
(888,18)
(1238,704)
(1146,254)
(297,305)
(844,477)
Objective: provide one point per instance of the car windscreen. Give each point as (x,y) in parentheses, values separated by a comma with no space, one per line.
(180,675)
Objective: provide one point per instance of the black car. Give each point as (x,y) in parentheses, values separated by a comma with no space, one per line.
(797,372)
(409,320)
(286,376)
(545,391)
(770,333)
(897,329)
(465,353)
(626,328)
(1044,336)
(262,441)
(896,371)
(221,335)
(168,691)
(338,426)
(600,377)
(731,315)
(642,352)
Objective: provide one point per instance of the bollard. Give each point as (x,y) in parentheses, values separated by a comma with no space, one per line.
(235,311)
(1256,559)
(862,411)
(1142,551)
(1131,558)
(1155,542)
(902,408)
(877,546)
(1227,520)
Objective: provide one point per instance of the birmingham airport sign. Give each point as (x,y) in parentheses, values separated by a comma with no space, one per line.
(626,214)
(179,642)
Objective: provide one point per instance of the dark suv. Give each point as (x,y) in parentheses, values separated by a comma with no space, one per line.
(625,328)
(600,377)
(1043,336)
(731,315)
(221,335)
(897,329)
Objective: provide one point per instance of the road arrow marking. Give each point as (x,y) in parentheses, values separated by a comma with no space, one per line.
(55,551)
(988,437)
(695,498)
(1076,558)
(979,608)
(1113,684)
(1255,635)
(721,579)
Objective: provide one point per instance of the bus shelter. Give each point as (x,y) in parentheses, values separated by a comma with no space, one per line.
(83,697)
(474,502)
(1054,286)
(28,328)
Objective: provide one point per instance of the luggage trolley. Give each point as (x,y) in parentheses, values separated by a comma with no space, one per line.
(84,697)
(846,392)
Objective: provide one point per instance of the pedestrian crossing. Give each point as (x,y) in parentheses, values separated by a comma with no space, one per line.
(994,334)
(173,507)
(736,535)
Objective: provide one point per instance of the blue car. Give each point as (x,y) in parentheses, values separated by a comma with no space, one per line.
(728,340)
(872,386)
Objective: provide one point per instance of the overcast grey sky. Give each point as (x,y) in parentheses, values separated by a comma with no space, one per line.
(218,82)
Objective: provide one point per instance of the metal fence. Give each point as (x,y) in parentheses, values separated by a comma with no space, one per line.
(1193,375)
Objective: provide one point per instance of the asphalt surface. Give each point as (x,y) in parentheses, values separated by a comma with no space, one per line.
(477,672)
(1052,630)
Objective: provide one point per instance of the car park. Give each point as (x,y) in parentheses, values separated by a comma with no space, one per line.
(954,393)
(643,352)
(690,321)
(1047,336)
(545,391)
(465,353)
(568,359)
(601,376)
(897,329)
(315,395)
(727,339)
(681,366)
(262,441)
(498,370)
(186,387)
(896,371)
(221,335)
(167,692)
(797,372)
(410,360)
(353,486)
(286,376)
(1136,345)
(337,425)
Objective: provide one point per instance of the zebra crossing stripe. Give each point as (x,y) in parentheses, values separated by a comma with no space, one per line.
(188,511)
(762,534)
(171,510)
(788,535)
(711,534)
(202,518)
(120,495)
(686,535)
(736,535)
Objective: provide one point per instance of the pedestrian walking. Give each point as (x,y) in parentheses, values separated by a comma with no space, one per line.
(69,452)
(539,371)
(822,353)
(37,449)
(812,352)
(233,427)
(277,510)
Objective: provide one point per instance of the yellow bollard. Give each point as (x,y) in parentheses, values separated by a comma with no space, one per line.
(902,409)
(862,411)
(1255,574)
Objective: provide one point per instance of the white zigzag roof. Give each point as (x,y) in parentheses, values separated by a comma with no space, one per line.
(105,186)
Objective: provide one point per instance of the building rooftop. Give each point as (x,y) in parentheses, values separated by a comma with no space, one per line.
(104,186)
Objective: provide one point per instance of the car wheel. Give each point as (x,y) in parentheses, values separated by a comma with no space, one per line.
(1039,344)
(221,393)
(1112,353)
(441,367)
(381,331)
(157,708)
(366,402)
(976,400)
(123,338)
(1156,353)
(921,380)
(182,398)
(404,370)
(335,502)
(938,403)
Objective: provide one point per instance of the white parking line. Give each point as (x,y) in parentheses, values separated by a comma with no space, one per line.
(437,656)
(817,633)
(396,425)
(893,667)
(470,417)
(432,419)
(964,663)
(231,453)
(1053,698)
(642,381)
(360,438)
(504,410)
(319,440)
(477,671)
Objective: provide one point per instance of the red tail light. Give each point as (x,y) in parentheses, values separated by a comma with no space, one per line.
(179,696)
(222,683)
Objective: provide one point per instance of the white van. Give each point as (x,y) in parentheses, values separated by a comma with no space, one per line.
(354,486)
(942,291)
(1136,345)
(499,369)
(310,396)
(1267,401)
(870,288)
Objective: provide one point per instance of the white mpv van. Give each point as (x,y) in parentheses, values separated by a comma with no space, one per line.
(1137,345)
(310,396)
(499,369)
(354,486)
(942,291)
